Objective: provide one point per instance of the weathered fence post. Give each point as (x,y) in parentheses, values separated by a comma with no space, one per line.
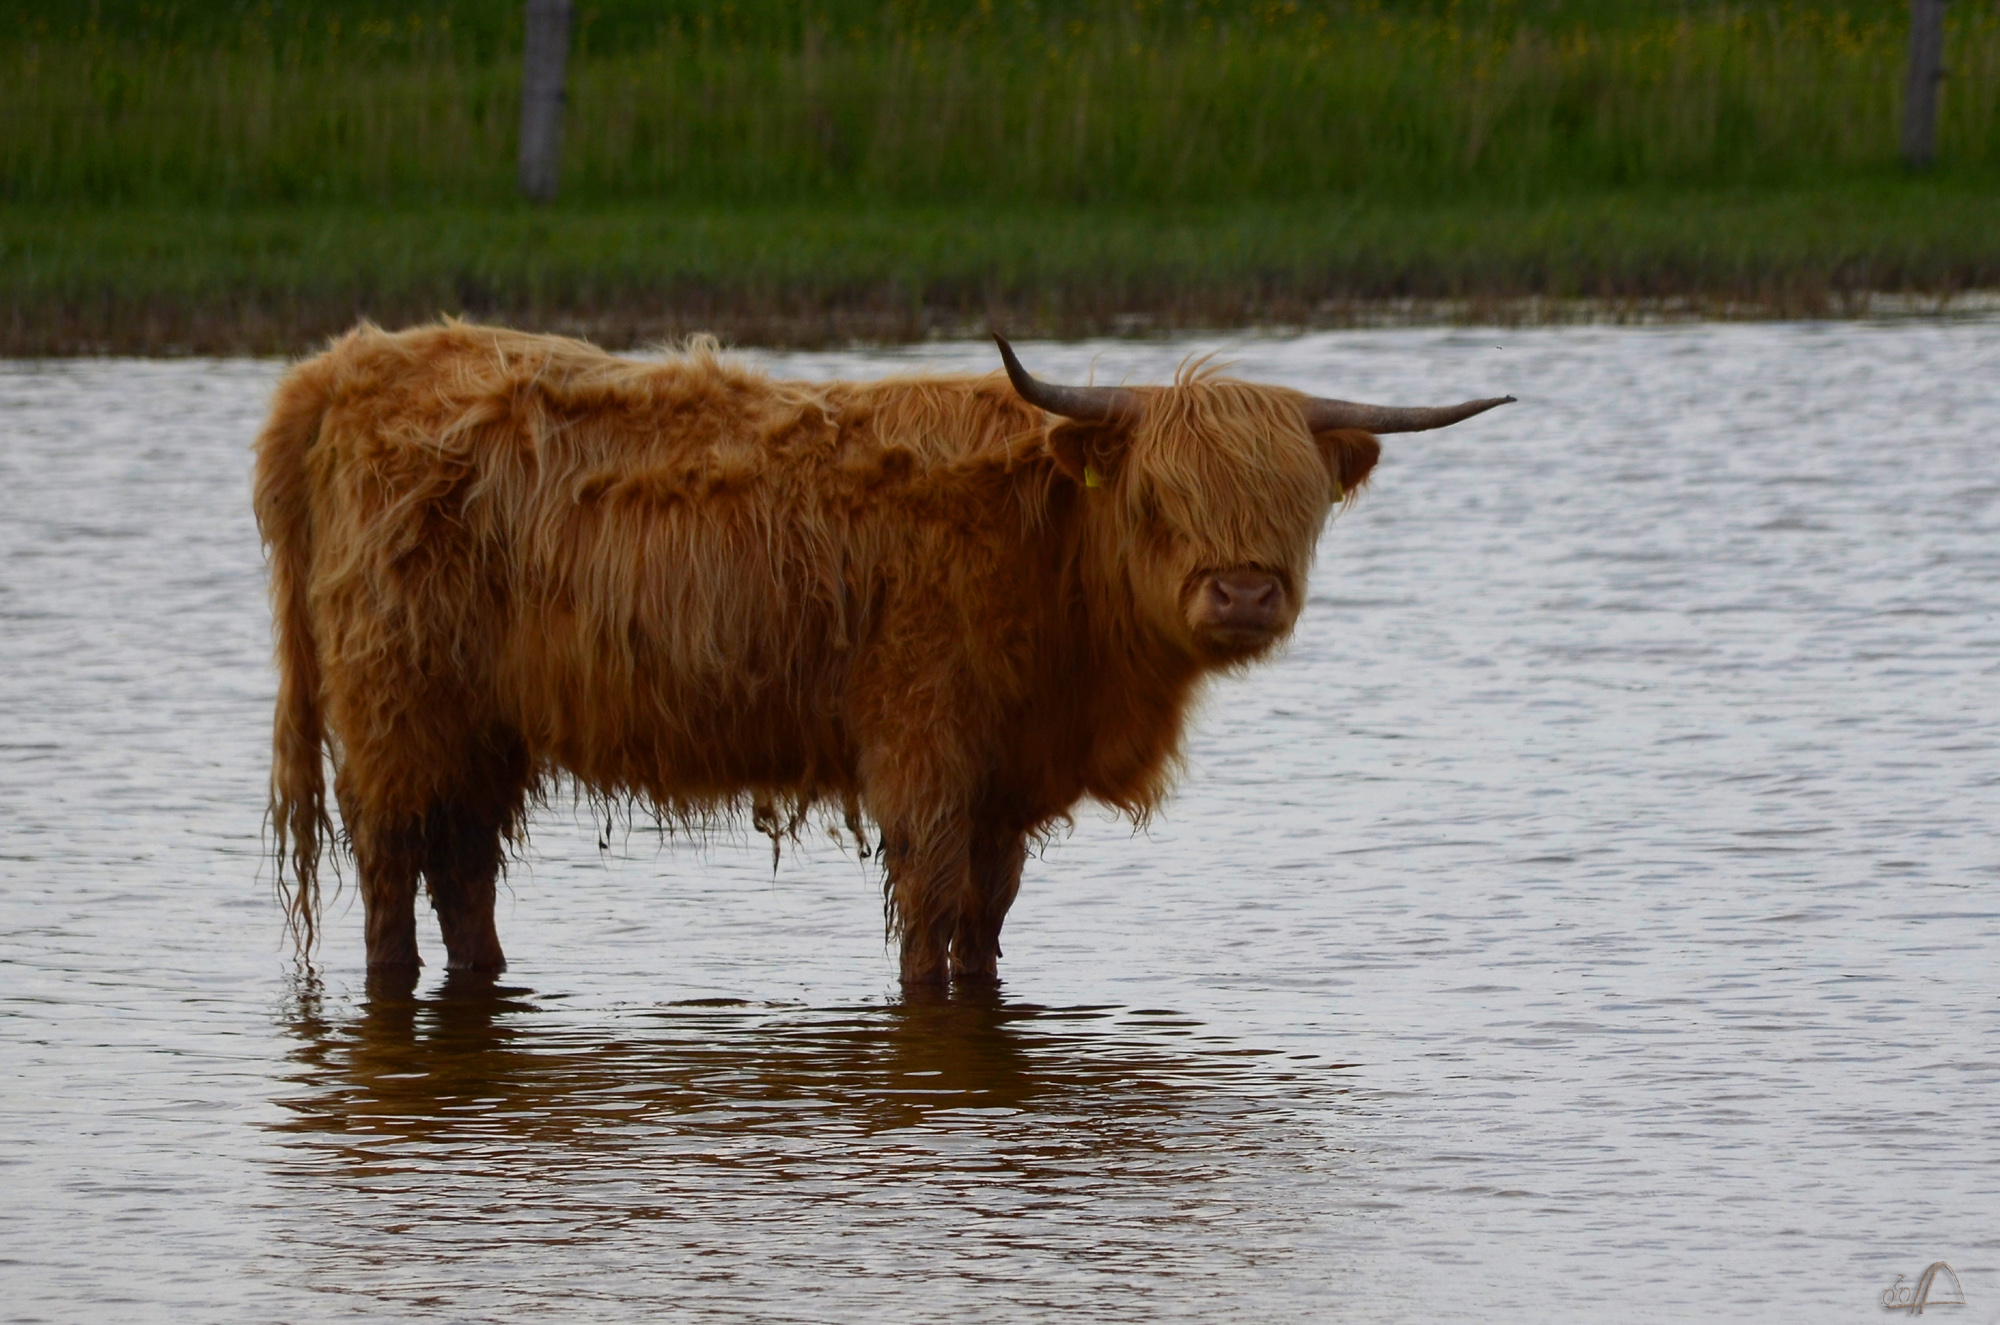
(1920,93)
(544,62)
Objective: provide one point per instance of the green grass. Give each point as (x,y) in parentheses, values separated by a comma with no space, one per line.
(1287,106)
(236,174)
(279,278)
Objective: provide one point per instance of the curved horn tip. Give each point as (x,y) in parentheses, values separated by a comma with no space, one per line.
(1469,409)
(1023,380)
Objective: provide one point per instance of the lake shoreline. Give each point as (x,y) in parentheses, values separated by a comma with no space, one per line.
(156,280)
(251,330)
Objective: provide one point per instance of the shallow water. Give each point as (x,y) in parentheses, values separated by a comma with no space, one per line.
(1591,917)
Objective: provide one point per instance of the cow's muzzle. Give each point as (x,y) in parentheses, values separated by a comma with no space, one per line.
(1240,609)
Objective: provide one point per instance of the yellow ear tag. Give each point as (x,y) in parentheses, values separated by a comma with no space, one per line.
(1091,478)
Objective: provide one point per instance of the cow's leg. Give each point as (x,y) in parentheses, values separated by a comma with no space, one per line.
(998,853)
(464,845)
(387,855)
(462,854)
(914,783)
(929,878)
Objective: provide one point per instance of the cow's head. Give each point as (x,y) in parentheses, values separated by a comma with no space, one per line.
(1211,494)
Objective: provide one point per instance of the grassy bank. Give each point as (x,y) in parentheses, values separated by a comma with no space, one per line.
(278,279)
(223,174)
(1286,103)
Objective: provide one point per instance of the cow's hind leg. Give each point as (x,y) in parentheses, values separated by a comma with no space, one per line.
(998,853)
(388,854)
(464,847)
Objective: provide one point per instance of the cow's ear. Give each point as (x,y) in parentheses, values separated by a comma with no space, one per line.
(1089,454)
(1350,457)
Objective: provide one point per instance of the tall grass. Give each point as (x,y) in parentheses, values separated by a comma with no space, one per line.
(1114,106)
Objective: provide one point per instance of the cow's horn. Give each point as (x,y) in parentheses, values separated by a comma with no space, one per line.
(1323,415)
(1086,404)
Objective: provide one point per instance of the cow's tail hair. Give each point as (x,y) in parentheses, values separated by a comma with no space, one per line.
(300,824)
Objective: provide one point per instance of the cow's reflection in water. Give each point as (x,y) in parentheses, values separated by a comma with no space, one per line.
(480,1063)
(498,1150)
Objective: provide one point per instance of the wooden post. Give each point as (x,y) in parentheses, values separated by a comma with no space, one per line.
(1920,93)
(544,71)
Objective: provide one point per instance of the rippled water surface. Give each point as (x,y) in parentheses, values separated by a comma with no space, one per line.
(1592,917)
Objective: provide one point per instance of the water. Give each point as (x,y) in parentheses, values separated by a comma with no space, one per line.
(1592,917)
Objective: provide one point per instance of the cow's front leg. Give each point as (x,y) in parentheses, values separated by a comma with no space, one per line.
(464,838)
(462,857)
(928,882)
(998,853)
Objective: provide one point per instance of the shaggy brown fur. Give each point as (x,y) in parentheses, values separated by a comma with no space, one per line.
(499,558)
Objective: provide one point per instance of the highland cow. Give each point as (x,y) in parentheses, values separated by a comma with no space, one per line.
(951,606)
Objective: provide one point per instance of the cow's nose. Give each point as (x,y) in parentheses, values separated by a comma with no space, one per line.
(1244,600)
